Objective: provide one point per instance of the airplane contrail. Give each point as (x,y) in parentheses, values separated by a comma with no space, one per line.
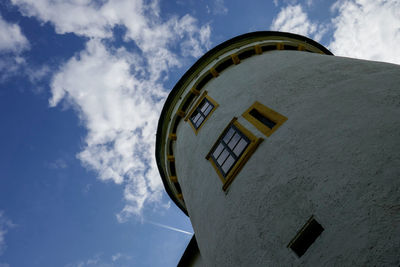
(170,227)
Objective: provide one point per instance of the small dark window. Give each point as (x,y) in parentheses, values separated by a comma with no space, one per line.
(172,169)
(247,54)
(264,120)
(203,82)
(306,237)
(201,113)
(188,101)
(224,65)
(268,48)
(229,149)
(170,148)
(175,125)
(178,188)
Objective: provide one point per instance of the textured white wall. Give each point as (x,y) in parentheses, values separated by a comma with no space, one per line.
(336,157)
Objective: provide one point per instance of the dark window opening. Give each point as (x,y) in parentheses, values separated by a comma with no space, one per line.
(175,127)
(187,102)
(290,47)
(178,188)
(268,48)
(203,82)
(306,237)
(224,65)
(246,54)
(201,113)
(229,149)
(172,169)
(264,120)
(170,149)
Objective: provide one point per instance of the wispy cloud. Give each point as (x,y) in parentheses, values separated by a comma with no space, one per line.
(294,19)
(5,225)
(57,164)
(118,93)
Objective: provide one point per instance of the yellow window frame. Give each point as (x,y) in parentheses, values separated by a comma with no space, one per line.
(270,114)
(196,105)
(238,165)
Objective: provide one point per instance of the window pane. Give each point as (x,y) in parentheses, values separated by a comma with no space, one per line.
(195,117)
(199,121)
(229,135)
(263,119)
(222,157)
(240,147)
(234,141)
(209,108)
(228,164)
(217,151)
(205,106)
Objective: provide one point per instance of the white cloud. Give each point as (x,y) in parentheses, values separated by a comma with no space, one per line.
(11,38)
(116,256)
(5,225)
(12,44)
(368,29)
(219,8)
(119,94)
(293,19)
(57,164)
(97,19)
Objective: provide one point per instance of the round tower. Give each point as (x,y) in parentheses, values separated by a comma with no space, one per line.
(283,154)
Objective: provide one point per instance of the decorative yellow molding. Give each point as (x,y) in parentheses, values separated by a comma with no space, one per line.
(172,136)
(235,59)
(238,165)
(170,158)
(214,72)
(258,49)
(280,46)
(173,179)
(195,91)
(266,112)
(198,102)
(181,113)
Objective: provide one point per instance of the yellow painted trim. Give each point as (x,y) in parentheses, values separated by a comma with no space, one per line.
(172,136)
(301,47)
(254,143)
(212,101)
(268,113)
(170,158)
(181,113)
(235,59)
(194,91)
(173,179)
(280,46)
(214,72)
(258,49)
(180,196)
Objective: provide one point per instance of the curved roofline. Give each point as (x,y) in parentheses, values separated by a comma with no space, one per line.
(206,57)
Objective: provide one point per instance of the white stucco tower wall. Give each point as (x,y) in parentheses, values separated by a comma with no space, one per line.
(335,158)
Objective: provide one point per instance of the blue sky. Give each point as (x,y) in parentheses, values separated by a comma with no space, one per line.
(81,87)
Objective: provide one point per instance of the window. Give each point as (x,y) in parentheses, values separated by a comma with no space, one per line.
(306,237)
(263,118)
(201,111)
(231,151)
